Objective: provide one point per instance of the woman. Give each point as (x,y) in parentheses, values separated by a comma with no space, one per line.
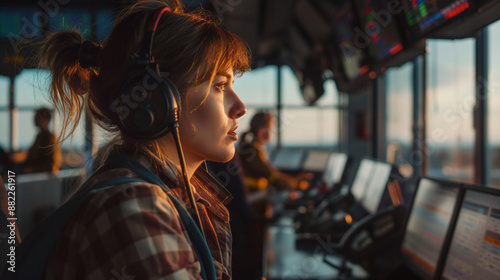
(133,231)
(259,172)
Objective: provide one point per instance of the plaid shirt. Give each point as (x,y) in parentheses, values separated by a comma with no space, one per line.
(133,231)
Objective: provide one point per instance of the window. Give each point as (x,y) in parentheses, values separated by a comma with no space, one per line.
(31,88)
(493,89)
(257,88)
(450,102)
(305,126)
(310,126)
(399,111)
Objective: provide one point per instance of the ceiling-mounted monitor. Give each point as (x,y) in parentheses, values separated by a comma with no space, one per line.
(351,43)
(428,17)
(482,13)
(71,19)
(379,28)
(388,40)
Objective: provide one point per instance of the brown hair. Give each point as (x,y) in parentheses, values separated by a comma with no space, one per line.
(261,119)
(191,47)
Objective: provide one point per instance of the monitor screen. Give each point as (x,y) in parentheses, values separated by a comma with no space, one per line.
(376,186)
(288,160)
(351,44)
(379,26)
(18,24)
(72,19)
(424,15)
(475,246)
(334,169)
(363,176)
(316,161)
(427,226)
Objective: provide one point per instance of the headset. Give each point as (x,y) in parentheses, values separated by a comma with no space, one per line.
(154,112)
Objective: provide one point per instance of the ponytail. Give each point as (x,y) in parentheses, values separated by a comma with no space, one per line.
(71,61)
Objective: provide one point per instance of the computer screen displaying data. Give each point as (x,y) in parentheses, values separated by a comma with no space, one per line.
(288,160)
(475,246)
(316,161)
(424,15)
(380,27)
(427,226)
(363,176)
(376,186)
(334,169)
(353,57)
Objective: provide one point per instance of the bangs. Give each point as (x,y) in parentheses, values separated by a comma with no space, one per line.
(221,51)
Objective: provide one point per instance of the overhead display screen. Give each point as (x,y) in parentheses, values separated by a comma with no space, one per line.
(424,15)
(72,20)
(351,44)
(379,27)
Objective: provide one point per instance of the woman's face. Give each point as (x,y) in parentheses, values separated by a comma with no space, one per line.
(209,118)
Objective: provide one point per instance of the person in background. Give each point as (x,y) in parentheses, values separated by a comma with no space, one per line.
(259,172)
(43,156)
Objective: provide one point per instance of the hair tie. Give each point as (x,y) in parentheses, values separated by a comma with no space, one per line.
(89,54)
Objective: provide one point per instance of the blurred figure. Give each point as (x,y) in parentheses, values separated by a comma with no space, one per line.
(259,172)
(43,156)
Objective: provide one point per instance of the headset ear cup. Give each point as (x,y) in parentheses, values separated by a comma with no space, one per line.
(146,103)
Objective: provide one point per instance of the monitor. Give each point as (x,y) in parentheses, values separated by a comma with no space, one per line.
(72,19)
(316,161)
(334,169)
(474,251)
(379,26)
(17,24)
(363,175)
(351,43)
(425,15)
(427,226)
(288,160)
(376,186)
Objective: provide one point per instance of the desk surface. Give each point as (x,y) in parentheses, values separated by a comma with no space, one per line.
(284,261)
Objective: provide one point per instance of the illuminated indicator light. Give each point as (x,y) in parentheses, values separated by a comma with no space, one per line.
(262,183)
(423,10)
(457,10)
(293,195)
(369,17)
(363,69)
(396,49)
(303,185)
(348,219)
(372,75)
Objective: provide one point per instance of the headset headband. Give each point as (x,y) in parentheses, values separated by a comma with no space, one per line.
(147,47)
